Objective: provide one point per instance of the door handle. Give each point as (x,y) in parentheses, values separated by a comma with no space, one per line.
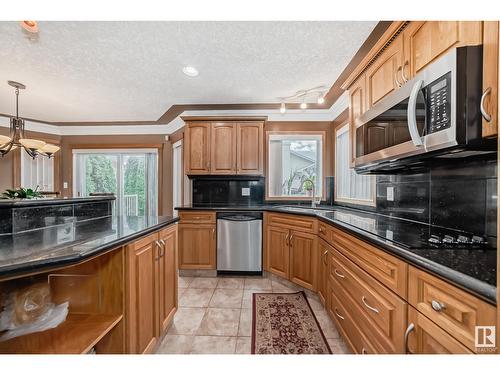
(158,252)
(290,241)
(410,328)
(403,72)
(485,114)
(396,80)
(163,245)
(412,114)
(286,239)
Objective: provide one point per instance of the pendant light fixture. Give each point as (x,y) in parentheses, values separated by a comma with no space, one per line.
(33,147)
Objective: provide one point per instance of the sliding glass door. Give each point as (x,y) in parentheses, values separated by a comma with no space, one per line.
(132,175)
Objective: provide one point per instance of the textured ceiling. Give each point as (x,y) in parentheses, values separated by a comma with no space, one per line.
(131,71)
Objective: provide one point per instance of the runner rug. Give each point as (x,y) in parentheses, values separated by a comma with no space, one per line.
(284,323)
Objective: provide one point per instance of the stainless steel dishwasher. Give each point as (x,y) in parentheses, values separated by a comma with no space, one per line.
(239,242)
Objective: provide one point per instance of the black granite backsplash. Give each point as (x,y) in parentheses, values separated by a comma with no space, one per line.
(228,190)
(461,196)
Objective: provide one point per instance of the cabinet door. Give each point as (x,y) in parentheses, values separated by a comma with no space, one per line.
(323,261)
(223,148)
(303,259)
(277,250)
(427,40)
(425,337)
(384,76)
(168,277)
(197,246)
(197,148)
(490,78)
(250,148)
(357,106)
(142,304)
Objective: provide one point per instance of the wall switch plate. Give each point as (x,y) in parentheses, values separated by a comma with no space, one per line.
(65,185)
(389,234)
(245,192)
(390,193)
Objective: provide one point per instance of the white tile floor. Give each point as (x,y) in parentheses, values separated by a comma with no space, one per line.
(215,315)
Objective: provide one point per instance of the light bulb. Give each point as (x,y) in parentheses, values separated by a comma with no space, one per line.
(303,105)
(282,108)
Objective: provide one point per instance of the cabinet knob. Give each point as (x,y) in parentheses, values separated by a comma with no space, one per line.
(437,306)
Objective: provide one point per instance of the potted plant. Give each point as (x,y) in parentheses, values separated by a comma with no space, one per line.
(21,193)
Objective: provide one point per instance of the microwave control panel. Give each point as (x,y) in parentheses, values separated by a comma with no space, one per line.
(438,104)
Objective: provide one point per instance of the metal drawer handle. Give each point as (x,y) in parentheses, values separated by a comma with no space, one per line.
(339,274)
(368,306)
(485,114)
(410,328)
(403,72)
(338,314)
(437,306)
(398,84)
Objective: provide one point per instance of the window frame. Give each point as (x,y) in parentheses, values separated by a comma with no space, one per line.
(321,133)
(372,202)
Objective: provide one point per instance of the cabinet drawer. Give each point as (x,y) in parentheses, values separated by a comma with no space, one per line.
(295,222)
(387,269)
(325,231)
(425,337)
(347,326)
(197,217)
(380,313)
(454,310)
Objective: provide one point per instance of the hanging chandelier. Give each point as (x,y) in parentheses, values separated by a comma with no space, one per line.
(33,147)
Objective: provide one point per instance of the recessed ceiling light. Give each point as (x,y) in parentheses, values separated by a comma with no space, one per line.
(321,99)
(190,71)
(282,108)
(303,105)
(30,26)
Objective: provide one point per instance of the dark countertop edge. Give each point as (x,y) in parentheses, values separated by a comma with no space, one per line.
(51,201)
(16,271)
(479,288)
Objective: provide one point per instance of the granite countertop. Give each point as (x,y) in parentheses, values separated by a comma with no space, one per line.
(473,269)
(8,203)
(72,242)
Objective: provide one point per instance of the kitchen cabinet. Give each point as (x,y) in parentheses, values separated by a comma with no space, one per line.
(425,337)
(425,41)
(151,289)
(384,75)
(223,148)
(278,250)
(197,148)
(167,277)
(303,259)
(490,78)
(324,251)
(250,148)
(291,248)
(357,107)
(197,246)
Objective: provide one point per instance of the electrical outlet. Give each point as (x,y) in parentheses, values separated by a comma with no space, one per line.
(390,193)
(65,185)
(245,192)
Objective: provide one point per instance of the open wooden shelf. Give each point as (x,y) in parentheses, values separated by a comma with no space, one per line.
(76,335)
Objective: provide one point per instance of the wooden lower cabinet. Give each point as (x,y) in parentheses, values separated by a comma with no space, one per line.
(278,250)
(303,259)
(324,251)
(151,289)
(197,246)
(425,337)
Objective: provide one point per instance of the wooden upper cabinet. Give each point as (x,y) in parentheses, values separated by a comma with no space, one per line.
(425,41)
(384,75)
(250,148)
(357,106)
(223,148)
(490,78)
(197,148)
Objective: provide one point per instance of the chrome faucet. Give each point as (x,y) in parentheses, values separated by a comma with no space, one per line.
(313,200)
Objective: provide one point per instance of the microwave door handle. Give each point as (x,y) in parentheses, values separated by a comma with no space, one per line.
(412,114)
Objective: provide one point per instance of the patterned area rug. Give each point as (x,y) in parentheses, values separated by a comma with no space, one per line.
(284,323)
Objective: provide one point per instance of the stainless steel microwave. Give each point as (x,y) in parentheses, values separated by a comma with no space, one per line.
(435,114)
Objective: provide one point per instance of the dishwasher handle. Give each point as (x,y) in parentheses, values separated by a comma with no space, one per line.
(239,218)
